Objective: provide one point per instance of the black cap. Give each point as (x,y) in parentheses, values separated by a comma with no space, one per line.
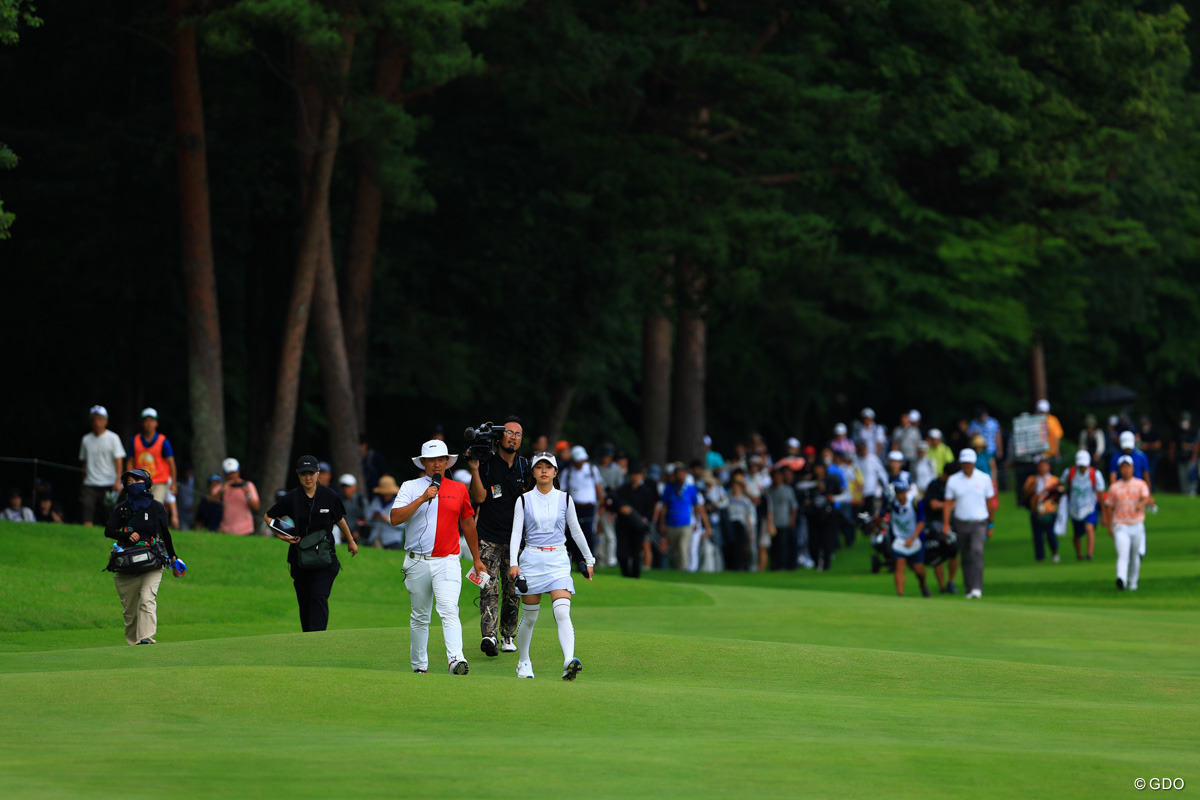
(308,464)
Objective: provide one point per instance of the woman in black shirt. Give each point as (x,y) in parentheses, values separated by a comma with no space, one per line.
(138,520)
(312,508)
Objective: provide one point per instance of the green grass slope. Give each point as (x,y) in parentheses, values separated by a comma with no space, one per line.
(784,684)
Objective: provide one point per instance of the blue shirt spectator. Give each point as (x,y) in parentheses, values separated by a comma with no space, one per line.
(679,501)
(987,427)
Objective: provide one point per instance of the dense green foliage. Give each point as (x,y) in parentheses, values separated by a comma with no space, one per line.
(823,685)
(886,203)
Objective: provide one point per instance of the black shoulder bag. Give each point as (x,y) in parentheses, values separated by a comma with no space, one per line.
(314,550)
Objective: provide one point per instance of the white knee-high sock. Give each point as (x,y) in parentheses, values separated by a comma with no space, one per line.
(566,631)
(529,615)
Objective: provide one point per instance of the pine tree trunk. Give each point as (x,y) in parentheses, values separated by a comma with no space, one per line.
(687,406)
(206,384)
(316,209)
(1037,370)
(560,406)
(656,387)
(364,237)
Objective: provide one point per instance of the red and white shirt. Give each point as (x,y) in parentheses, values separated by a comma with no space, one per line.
(1126,499)
(433,528)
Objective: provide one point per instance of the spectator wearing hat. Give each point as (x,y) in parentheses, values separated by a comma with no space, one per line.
(906,524)
(1125,516)
(325,476)
(1083,486)
(712,459)
(1041,494)
(907,436)
(101,452)
(311,508)
(969,514)
(383,533)
(239,500)
(1054,431)
(15,511)
(152,452)
(939,451)
(636,504)
(681,506)
(926,469)
(896,469)
(1091,440)
(356,508)
(1184,453)
(209,508)
(432,511)
(841,443)
(582,481)
(874,478)
(1127,441)
(612,475)
(870,433)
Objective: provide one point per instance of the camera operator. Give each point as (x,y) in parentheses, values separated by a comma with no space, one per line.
(496,483)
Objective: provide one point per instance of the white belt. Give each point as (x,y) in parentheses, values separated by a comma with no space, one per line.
(419,556)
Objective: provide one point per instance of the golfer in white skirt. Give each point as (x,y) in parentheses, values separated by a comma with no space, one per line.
(542,517)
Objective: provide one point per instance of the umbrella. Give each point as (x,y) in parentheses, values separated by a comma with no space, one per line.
(1110,394)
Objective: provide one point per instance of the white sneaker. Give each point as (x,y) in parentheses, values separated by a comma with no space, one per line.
(974,594)
(507,645)
(524,669)
(1056,559)
(459,668)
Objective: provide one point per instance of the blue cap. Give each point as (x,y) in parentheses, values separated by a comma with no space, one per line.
(900,485)
(654,472)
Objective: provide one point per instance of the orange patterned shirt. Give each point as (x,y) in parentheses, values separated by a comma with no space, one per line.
(1125,497)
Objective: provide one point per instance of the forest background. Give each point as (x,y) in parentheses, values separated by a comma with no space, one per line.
(284,223)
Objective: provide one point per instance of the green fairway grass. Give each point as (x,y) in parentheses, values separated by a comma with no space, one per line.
(787,684)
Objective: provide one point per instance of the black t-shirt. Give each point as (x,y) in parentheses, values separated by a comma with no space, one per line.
(147,524)
(642,500)
(503,484)
(320,512)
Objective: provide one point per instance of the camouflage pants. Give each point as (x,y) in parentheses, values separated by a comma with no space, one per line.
(495,560)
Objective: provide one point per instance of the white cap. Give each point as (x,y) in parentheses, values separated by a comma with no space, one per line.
(548,458)
(793,442)
(462,476)
(1043,406)
(578,453)
(935,433)
(432,449)
(895,455)
(1082,459)
(966,456)
(230,465)
(348,480)
(1125,460)
(98,411)
(707,440)
(1127,440)
(914,416)
(839,429)
(1114,419)
(922,445)
(868,412)
(149,412)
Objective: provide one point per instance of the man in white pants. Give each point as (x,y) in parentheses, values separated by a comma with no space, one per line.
(967,495)
(432,510)
(1125,516)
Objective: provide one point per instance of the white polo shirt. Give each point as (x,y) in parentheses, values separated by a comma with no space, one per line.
(970,495)
(99,453)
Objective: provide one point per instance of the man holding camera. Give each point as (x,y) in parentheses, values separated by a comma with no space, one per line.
(496,483)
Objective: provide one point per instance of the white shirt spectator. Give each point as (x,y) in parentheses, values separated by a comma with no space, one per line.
(99,453)
(18,515)
(580,483)
(970,495)
(1082,497)
(926,471)
(875,475)
(874,436)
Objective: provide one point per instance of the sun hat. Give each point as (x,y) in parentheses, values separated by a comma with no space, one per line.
(230,465)
(547,457)
(387,486)
(307,464)
(348,480)
(1083,459)
(578,453)
(433,449)
(149,412)
(966,456)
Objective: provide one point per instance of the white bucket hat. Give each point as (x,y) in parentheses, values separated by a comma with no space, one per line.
(432,449)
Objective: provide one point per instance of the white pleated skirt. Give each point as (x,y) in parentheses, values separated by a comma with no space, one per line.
(546,570)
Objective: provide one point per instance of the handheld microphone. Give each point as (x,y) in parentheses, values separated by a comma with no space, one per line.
(437,479)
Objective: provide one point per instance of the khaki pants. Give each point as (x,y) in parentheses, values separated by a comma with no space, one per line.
(159,492)
(139,603)
(678,540)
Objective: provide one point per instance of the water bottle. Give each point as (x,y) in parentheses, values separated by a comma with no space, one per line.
(178,568)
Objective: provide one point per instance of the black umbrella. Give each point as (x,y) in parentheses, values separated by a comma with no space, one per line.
(1110,394)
